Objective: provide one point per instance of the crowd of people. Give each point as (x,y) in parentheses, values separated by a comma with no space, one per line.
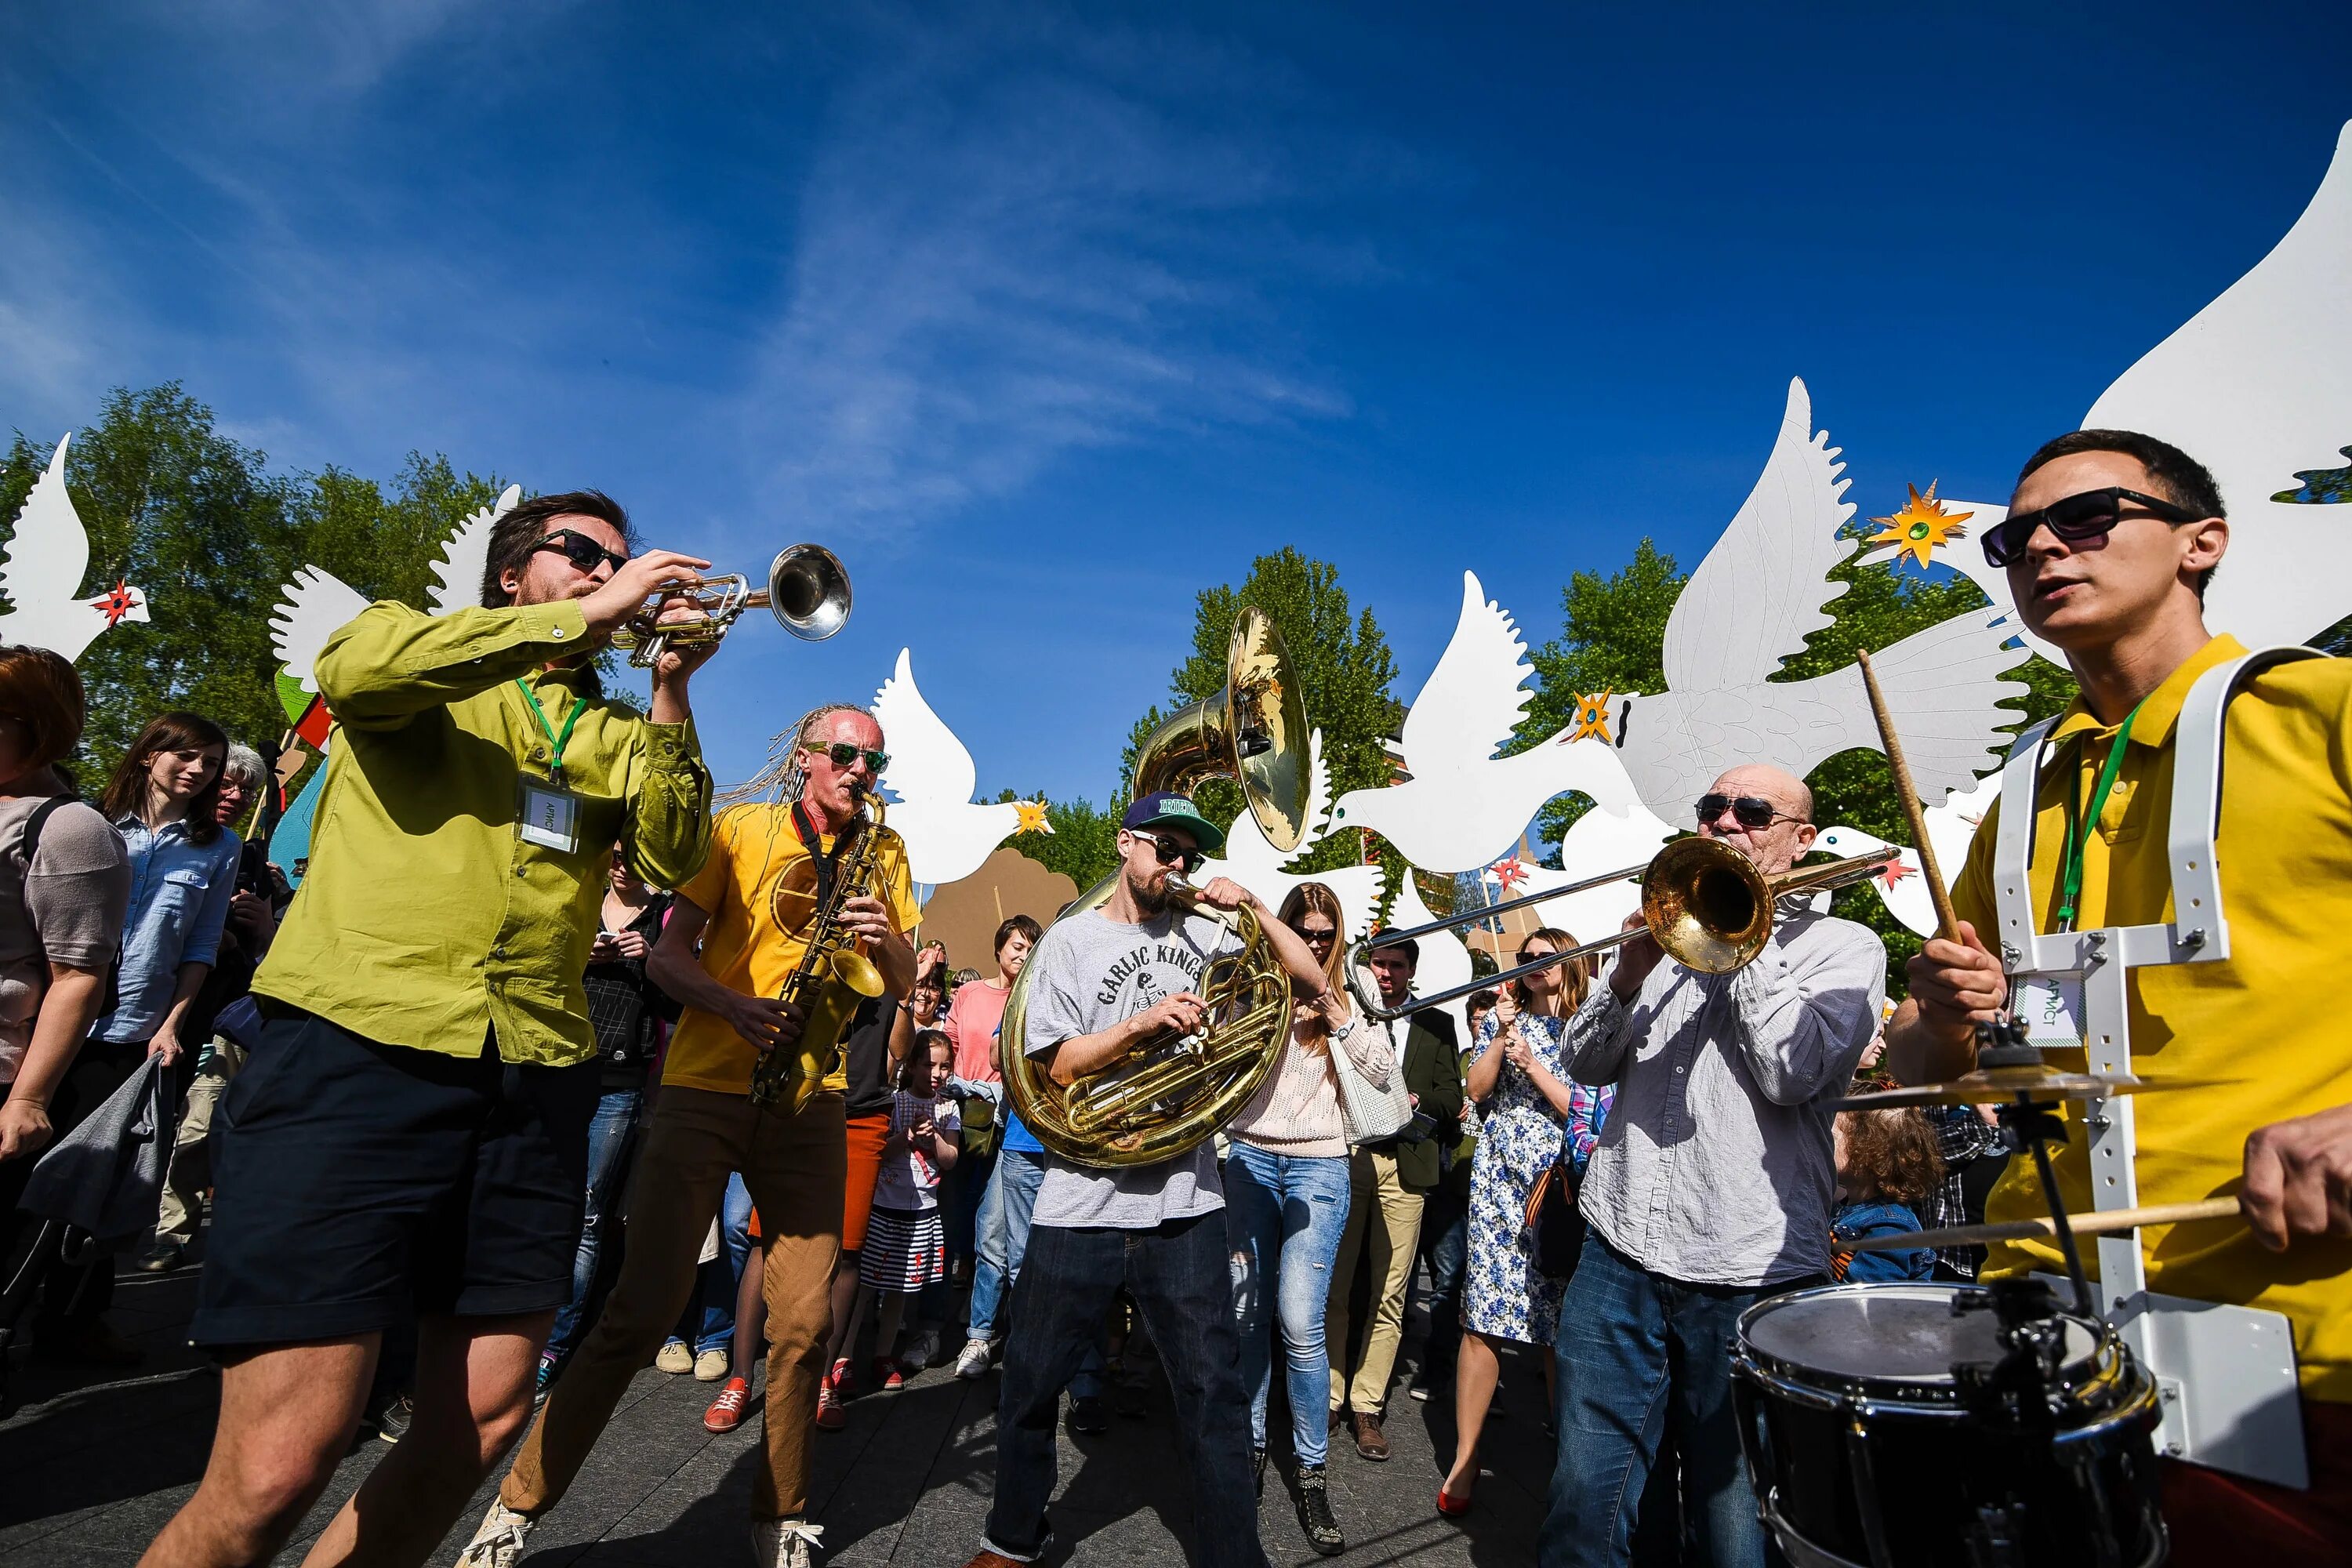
(486,1119)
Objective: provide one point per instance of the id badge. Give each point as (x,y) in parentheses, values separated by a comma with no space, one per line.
(2050,1009)
(547,816)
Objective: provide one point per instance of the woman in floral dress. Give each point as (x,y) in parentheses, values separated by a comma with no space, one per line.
(1529,1109)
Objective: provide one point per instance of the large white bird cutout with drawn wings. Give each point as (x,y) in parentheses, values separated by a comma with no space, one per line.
(1902,887)
(317,604)
(1257,865)
(931,780)
(42,574)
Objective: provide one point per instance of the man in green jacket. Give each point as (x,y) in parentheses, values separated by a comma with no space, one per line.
(409,1139)
(1388,1184)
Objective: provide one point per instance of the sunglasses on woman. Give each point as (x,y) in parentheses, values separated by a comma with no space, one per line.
(2079,518)
(580,550)
(1317,933)
(1750,811)
(845,755)
(1171,853)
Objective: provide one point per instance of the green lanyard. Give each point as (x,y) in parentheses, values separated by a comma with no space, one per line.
(2082,820)
(558,738)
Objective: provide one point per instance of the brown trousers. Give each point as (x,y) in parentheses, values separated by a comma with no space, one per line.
(795,1167)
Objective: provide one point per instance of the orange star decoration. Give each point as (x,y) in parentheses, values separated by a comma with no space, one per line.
(117,602)
(1894,871)
(1033,816)
(1920,526)
(1508,872)
(1591,717)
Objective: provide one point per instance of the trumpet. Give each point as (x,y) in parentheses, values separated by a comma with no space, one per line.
(807,592)
(1706,904)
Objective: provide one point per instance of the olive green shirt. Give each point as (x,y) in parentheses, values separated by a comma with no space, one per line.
(426,920)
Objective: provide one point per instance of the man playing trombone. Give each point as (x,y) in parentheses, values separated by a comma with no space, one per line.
(409,1139)
(1710,1188)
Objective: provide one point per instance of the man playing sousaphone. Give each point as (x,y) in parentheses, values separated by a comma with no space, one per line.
(751,909)
(2108,544)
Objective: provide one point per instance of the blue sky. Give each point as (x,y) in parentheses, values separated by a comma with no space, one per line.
(1046,317)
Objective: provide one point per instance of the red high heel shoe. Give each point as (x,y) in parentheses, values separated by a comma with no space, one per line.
(1447,1506)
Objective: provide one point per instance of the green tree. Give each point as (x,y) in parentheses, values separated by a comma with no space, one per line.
(1344,665)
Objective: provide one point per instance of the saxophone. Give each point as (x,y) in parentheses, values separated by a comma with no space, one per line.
(833,977)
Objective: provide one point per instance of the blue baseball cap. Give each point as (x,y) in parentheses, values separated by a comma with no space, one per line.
(1165,808)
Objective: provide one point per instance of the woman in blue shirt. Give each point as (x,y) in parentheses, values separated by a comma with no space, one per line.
(164,800)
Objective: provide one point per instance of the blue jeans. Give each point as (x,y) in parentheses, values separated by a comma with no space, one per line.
(609,1133)
(1284,1217)
(711,1312)
(1179,1277)
(1002,1240)
(1445,1249)
(1638,1354)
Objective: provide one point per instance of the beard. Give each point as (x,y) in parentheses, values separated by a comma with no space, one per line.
(1150,898)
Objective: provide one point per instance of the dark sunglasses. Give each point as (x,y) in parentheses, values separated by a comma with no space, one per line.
(2091,515)
(580,550)
(1748,810)
(1523,956)
(1323,933)
(1171,853)
(845,755)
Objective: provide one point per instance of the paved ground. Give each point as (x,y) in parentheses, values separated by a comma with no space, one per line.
(91,1469)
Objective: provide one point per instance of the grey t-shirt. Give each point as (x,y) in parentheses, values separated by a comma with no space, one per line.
(66,907)
(1092,971)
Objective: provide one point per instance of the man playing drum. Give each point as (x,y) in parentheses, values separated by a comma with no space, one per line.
(2109,543)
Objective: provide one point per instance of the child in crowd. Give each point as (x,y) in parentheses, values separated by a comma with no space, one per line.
(906,1243)
(1888,1165)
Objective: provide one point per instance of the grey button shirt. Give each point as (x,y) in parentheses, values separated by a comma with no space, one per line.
(1715,1166)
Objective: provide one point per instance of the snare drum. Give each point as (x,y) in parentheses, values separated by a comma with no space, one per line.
(1864,1451)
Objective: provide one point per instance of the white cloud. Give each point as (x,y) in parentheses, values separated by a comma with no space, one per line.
(1015,246)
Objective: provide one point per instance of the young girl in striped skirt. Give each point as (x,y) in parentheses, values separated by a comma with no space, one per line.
(906,1243)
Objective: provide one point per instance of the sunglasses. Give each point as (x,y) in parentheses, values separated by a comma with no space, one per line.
(1317,933)
(1529,955)
(1748,810)
(2091,515)
(845,755)
(1171,853)
(580,550)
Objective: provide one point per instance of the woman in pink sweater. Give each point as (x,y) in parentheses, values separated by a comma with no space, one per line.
(1287,1204)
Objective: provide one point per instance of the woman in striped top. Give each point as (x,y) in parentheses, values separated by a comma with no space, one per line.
(1286,1203)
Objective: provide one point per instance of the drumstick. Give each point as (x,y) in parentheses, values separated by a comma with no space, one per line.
(1947,923)
(2082,1224)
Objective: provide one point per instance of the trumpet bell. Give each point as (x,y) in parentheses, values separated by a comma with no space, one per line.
(1254,732)
(808,593)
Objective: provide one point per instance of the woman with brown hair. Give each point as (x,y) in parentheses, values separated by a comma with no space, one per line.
(1531,1113)
(1888,1165)
(1287,1204)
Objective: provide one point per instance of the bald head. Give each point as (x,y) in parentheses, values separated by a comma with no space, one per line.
(1784,789)
(1774,846)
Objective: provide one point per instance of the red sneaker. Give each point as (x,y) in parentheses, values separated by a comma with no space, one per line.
(838,1378)
(726,1412)
(888,1377)
(830,1417)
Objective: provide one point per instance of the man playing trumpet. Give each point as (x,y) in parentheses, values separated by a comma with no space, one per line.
(749,910)
(410,1138)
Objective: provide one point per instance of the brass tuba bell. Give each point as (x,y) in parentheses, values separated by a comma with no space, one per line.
(1171,1093)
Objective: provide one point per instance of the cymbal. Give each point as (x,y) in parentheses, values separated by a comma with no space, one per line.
(1988,1086)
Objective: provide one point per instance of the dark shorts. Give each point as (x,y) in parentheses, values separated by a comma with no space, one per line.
(358,1186)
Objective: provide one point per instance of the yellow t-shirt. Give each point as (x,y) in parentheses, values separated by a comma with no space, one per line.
(2264,1031)
(753,850)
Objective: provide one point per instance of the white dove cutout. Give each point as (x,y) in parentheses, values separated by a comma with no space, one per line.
(1462,806)
(1750,605)
(1619,831)
(1257,865)
(1444,961)
(1951,827)
(930,779)
(43,568)
(317,604)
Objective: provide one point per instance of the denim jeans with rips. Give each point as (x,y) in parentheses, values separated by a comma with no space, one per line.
(1180,1279)
(610,1134)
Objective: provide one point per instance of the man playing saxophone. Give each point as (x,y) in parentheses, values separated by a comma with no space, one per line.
(772,871)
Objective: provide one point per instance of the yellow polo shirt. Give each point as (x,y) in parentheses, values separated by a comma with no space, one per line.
(2266,1031)
(753,850)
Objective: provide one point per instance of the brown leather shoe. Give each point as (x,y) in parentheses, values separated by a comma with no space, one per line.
(1370,1441)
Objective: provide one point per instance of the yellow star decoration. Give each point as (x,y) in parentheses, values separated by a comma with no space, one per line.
(1592,716)
(1920,526)
(1033,816)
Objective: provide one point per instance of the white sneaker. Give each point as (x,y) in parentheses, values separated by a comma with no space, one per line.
(973,1362)
(498,1542)
(921,1349)
(710,1366)
(675,1357)
(784,1542)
